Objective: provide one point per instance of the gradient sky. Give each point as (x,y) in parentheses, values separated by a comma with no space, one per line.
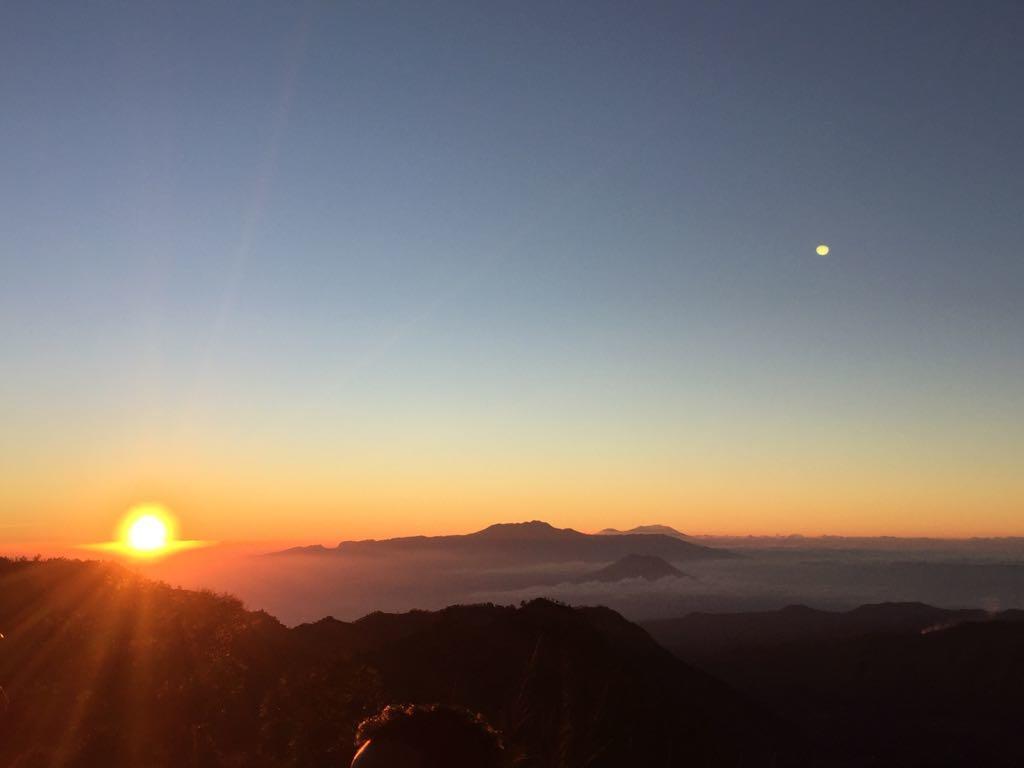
(315,271)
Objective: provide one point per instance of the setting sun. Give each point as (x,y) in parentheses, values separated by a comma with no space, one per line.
(147,530)
(147,534)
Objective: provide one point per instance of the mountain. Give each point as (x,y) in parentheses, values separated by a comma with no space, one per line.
(692,635)
(99,666)
(644,529)
(310,549)
(529,542)
(634,567)
(567,686)
(896,684)
(500,562)
(102,667)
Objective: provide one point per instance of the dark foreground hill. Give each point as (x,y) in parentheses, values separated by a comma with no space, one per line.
(696,635)
(521,543)
(900,684)
(101,668)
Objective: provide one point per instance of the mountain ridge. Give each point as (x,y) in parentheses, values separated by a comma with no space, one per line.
(166,677)
(529,542)
(666,530)
(646,567)
(887,684)
(699,633)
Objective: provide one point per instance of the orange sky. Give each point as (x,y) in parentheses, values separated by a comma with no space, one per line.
(281,498)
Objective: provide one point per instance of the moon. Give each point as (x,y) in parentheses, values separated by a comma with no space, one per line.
(822,250)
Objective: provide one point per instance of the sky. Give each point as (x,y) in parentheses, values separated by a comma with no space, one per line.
(318,271)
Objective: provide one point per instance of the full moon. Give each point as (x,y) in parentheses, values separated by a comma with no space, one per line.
(822,250)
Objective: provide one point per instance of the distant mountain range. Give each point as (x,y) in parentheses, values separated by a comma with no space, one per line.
(644,529)
(645,567)
(529,542)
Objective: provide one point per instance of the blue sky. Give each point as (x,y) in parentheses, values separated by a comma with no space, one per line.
(558,230)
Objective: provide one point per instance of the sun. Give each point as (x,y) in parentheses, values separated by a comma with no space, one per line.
(822,250)
(147,530)
(147,534)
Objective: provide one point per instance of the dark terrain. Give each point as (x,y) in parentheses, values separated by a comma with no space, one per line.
(101,667)
(890,684)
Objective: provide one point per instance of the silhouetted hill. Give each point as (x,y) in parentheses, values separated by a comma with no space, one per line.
(534,530)
(634,567)
(311,549)
(571,686)
(531,542)
(892,684)
(644,529)
(696,633)
(102,667)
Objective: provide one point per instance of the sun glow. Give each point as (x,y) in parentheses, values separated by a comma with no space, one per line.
(147,534)
(147,530)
